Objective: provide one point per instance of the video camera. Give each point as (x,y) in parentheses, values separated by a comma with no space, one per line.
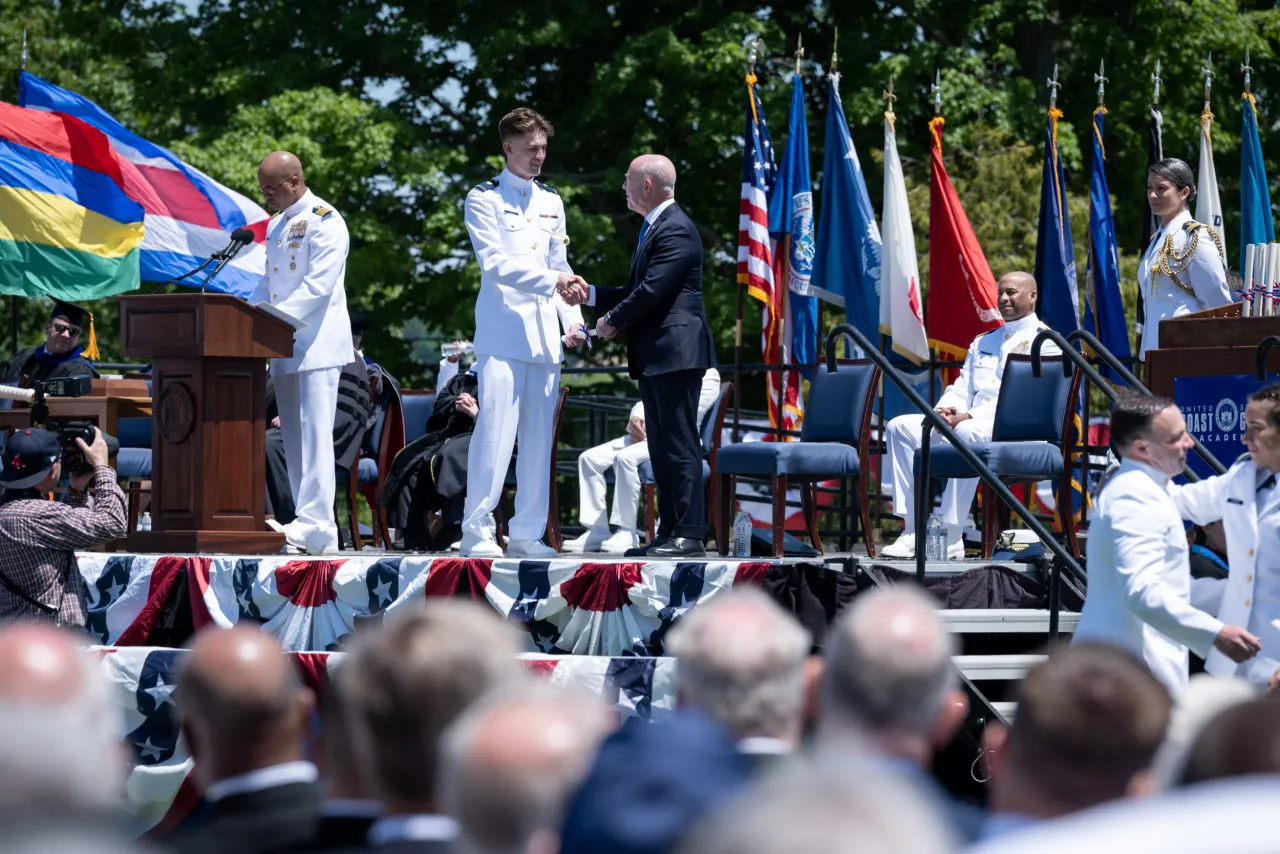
(73,459)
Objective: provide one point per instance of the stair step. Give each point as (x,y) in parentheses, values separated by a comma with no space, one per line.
(996,667)
(1007,620)
(1006,710)
(952,567)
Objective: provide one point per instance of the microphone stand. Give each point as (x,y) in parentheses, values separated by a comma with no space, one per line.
(224,258)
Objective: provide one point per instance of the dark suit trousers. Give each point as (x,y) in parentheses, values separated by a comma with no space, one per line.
(675,450)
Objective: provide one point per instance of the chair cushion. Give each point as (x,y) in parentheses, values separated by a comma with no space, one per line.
(134,463)
(1014,460)
(417,409)
(367,470)
(134,432)
(828,459)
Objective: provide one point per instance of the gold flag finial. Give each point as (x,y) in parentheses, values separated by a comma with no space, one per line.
(1054,86)
(799,51)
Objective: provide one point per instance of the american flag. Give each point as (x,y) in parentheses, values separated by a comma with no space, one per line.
(755,251)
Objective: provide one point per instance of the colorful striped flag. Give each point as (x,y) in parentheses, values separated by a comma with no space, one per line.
(755,249)
(69,228)
(189,216)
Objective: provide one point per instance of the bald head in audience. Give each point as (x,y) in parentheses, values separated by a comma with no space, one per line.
(513,760)
(60,734)
(888,681)
(241,703)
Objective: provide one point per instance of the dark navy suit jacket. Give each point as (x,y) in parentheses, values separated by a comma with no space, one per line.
(660,308)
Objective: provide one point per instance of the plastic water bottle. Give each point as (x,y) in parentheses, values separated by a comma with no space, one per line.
(452,349)
(935,539)
(742,534)
(144,522)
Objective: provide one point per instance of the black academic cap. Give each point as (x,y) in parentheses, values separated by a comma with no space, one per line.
(359,322)
(73,314)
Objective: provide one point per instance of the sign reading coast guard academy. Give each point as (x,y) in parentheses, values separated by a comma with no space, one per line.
(1214,409)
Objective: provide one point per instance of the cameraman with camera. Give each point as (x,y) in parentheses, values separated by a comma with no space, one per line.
(39,576)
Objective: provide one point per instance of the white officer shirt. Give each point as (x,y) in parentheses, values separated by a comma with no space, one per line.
(307,245)
(1205,275)
(517,228)
(977,388)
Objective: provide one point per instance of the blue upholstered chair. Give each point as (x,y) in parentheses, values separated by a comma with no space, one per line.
(834,442)
(1032,440)
(417,409)
(382,442)
(133,462)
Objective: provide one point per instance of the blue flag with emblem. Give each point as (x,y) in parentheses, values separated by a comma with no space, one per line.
(1103,305)
(791,225)
(1256,225)
(848,244)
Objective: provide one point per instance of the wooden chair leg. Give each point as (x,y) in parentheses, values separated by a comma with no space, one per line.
(713,506)
(728,490)
(353,506)
(809,502)
(779,512)
(988,521)
(384,529)
(500,521)
(134,499)
(553,537)
(650,493)
(1067,513)
(864,511)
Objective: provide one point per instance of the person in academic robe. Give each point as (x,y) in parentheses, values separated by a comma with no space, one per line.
(61,354)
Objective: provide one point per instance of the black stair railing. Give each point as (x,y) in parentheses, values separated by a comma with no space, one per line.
(988,477)
(1260,356)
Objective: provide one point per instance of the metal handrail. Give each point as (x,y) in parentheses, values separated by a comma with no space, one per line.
(988,477)
(1072,355)
(1260,356)
(1112,362)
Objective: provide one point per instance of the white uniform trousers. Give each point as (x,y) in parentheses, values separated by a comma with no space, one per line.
(625,460)
(903,438)
(517,401)
(307,402)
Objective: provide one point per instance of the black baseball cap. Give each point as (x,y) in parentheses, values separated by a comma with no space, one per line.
(29,455)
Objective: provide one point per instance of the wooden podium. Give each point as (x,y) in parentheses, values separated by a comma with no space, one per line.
(209,362)
(1209,343)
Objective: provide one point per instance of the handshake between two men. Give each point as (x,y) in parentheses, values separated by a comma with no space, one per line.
(574,290)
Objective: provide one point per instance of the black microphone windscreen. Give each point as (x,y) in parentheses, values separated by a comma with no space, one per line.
(242,235)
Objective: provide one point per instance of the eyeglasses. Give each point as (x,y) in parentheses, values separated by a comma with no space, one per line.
(64,329)
(266,191)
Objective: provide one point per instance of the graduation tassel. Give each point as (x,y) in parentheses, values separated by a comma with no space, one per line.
(91,352)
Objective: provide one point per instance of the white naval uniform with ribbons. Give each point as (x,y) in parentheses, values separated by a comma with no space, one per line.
(1198,283)
(1140,576)
(517,228)
(307,247)
(1247,502)
(975,391)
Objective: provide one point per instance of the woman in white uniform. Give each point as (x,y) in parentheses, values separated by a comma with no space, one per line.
(1248,503)
(1183,269)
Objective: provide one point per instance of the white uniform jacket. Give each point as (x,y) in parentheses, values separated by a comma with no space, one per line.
(1250,594)
(307,246)
(517,228)
(1201,285)
(1139,595)
(977,388)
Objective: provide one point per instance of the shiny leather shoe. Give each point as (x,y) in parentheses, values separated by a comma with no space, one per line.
(643,551)
(679,547)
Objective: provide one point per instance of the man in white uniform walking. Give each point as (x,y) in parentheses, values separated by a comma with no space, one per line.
(307,246)
(517,227)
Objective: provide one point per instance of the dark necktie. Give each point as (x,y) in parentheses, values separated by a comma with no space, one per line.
(644,228)
(1266,484)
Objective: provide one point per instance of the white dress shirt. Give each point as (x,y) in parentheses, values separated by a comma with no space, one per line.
(977,387)
(263,778)
(1206,276)
(416,828)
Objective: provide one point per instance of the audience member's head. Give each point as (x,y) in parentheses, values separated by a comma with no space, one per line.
(404,685)
(242,705)
(889,680)
(342,773)
(511,762)
(744,662)
(1241,741)
(1196,704)
(60,741)
(824,808)
(63,329)
(1089,721)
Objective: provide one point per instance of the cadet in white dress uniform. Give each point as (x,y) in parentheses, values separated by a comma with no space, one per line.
(1247,502)
(307,246)
(1183,269)
(1139,595)
(974,393)
(517,227)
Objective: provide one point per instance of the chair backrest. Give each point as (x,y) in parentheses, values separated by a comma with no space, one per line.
(134,432)
(1032,408)
(839,405)
(417,409)
(713,421)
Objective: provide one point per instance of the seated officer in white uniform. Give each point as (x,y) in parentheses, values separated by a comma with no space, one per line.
(517,228)
(1139,572)
(624,455)
(969,406)
(1247,502)
(1183,270)
(307,246)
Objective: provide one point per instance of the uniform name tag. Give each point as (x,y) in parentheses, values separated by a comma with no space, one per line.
(298,230)
(1235,501)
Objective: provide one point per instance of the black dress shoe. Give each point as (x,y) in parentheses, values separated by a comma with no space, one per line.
(642,551)
(679,547)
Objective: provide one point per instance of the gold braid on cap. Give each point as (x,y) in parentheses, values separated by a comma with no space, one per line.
(1172,263)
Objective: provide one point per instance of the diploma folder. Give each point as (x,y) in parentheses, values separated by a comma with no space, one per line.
(280,315)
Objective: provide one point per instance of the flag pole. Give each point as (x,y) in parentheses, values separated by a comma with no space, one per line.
(782,374)
(888,98)
(752,50)
(935,89)
(1248,73)
(15,310)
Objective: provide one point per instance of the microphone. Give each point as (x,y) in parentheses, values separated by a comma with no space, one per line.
(240,238)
